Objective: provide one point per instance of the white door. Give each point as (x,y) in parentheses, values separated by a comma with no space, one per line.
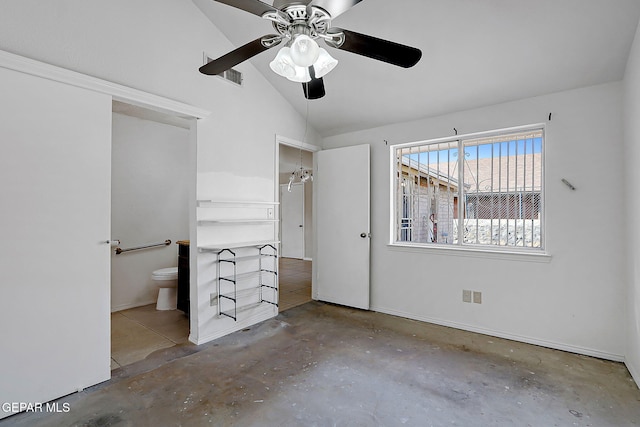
(292,221)
(342,191)
(55,174)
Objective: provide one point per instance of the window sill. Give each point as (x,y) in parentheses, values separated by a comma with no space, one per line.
(466,251)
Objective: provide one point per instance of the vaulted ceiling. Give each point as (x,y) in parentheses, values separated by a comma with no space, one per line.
(475,53)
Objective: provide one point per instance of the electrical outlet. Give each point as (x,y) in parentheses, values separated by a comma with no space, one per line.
(477,297)
(270,213)
(466,296)
(212,300)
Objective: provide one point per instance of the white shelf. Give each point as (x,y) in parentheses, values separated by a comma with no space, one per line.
(240,277)
(242,294)
(261,224)
(236,245)
(245,258)
(240,309)
(230,203)
(250,213)
(234,221)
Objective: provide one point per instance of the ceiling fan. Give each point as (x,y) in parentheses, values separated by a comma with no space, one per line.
(299,24)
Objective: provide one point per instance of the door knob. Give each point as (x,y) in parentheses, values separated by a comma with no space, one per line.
(364,235)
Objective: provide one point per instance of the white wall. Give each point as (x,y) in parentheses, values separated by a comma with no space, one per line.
(157,46)
(571,302)
(632,194)
(149,204)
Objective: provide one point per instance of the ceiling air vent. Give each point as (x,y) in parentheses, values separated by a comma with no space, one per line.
(232,75)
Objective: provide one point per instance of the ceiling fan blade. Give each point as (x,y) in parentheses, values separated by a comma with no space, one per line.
(240,54)
(313,89)
(335,7)
(280,4)
(373,47)
(252,6)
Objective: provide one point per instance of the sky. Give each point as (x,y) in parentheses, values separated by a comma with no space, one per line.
(472,152)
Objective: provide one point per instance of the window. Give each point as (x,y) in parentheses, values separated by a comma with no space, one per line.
(490,196)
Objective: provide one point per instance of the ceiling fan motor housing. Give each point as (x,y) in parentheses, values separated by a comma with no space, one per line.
(301,19)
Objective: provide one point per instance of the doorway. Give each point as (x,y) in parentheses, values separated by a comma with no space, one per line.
(296,222)
(151,183)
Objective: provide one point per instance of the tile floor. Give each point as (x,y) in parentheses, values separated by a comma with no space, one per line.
(140,331)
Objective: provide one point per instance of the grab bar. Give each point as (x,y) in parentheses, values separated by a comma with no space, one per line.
(152,245)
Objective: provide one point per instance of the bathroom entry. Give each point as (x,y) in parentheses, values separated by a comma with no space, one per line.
(152,176)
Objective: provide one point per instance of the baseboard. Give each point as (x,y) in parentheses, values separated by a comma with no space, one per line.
(307,259)
(535,341)
(236,326)
(634,374)
(132,305)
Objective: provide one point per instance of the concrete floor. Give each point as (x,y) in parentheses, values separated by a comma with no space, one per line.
(323,365)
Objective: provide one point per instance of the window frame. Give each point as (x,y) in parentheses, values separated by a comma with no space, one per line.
(469,248)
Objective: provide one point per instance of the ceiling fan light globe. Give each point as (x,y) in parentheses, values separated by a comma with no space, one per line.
(282,64)
(304,51)
(301,75)
(324,64)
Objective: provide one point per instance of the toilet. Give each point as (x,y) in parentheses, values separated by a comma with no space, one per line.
(167,281)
